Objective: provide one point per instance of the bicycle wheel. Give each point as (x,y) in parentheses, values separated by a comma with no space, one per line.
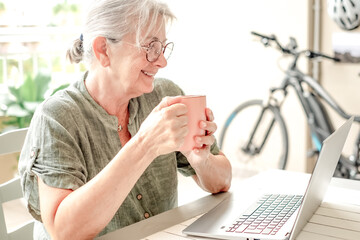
(254,138)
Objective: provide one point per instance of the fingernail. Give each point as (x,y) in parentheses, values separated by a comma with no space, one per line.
(198,139)
(203,124)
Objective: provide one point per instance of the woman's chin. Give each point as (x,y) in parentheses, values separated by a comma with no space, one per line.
(148,84)
(149,89)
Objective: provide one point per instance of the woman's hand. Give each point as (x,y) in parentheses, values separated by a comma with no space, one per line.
(203,143)
(165,128)
(213,172)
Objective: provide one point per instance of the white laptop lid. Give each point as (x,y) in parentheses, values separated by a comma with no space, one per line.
(313,197)
(321,176)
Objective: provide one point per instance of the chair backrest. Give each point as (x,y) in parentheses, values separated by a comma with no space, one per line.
(11,142)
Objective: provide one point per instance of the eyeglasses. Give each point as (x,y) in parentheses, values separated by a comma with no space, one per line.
(155,48)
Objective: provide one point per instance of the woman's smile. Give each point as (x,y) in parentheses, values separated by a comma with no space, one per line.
(149,74)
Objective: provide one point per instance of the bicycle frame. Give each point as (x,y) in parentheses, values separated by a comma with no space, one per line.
(249,147)
(313,99)
(315,112)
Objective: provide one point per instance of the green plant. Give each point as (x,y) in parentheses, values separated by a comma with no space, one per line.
(2,6)
(65,8)
(65,13)
(22,101)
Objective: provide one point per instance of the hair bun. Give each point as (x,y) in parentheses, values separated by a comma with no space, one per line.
(75,52)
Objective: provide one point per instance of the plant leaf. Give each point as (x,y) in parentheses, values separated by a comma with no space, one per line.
(41,82)
(16,111)
(60,88)
(31,106)
(28,90)
(16,93)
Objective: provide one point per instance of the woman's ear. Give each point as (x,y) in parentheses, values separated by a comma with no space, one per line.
(100,49)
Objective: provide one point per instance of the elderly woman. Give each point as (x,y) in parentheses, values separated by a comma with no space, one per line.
(103,153)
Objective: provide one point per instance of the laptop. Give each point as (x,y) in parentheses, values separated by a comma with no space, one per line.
(274,216)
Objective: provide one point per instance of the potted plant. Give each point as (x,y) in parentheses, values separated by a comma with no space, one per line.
(22,101)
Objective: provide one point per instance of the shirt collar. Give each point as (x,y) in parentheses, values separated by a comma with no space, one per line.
(133,103)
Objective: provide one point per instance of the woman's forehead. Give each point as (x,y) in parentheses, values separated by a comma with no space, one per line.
(151,36)
(155,32)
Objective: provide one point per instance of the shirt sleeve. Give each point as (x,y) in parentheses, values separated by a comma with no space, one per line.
(51,152)
(184,166)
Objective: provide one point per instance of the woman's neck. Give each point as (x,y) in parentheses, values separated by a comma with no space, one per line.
(112,99)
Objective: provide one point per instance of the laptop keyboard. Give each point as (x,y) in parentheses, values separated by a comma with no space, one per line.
(267,215)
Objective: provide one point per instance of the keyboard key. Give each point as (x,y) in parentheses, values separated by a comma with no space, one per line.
(253,231)
(241,228)
(267,231)
(268,215)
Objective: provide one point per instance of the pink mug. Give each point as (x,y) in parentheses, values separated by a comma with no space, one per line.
(196,105)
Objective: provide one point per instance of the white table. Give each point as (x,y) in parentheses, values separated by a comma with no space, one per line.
(169,225)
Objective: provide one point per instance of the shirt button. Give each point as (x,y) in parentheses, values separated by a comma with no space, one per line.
(139,197)
(146,215)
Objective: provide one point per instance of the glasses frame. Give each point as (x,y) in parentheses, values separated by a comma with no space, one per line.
(163,49)
(147,48)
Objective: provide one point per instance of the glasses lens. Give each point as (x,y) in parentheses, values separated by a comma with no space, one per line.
(154,51)
(168,50)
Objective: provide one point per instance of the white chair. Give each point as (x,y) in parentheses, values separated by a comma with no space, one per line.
(11,142)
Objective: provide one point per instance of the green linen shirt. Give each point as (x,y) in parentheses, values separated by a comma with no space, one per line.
(71,139)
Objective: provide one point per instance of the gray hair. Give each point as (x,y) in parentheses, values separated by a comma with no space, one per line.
(113,19)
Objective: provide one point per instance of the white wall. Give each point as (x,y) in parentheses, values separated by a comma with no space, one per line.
(341,80)
(215,55)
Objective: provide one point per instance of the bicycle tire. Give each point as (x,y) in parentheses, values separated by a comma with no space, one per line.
(236,132)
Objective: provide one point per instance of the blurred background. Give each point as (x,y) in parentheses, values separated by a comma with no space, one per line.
(214,55)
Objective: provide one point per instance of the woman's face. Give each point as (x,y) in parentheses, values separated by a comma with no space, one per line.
(129,64)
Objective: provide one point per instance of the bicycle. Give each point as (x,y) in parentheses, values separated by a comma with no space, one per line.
(256,128)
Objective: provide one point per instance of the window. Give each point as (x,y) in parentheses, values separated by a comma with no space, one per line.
(35,39)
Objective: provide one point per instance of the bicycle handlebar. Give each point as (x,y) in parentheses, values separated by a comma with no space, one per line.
(291,49)
(311,54)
